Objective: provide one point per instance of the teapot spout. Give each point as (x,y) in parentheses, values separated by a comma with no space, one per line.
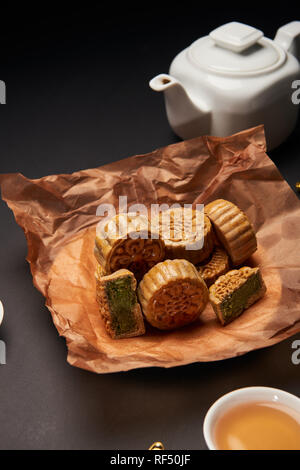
(288,37)
(163,82)
(187,118)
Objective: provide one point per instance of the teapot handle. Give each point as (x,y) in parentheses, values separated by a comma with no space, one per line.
(288,37)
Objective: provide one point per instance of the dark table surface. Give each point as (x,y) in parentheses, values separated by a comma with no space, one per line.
(78,97)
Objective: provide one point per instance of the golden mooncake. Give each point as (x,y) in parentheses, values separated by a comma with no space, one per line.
(172,294)
(233,230)
(118,305)
(216,266)
(187,233)
(126,242)
(235,291)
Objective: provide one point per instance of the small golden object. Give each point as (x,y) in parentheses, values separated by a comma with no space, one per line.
(157,446)
(298,186)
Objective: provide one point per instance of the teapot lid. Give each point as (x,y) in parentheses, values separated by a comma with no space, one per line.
(236,49)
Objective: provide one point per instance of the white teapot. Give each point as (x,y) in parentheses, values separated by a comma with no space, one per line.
(234,79)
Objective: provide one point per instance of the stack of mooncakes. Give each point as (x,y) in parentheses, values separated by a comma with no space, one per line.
(166,270)
(125,250)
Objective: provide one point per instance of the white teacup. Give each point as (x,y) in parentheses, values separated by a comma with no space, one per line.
(239,397)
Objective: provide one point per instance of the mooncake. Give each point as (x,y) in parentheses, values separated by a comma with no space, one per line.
(215,267)
(100,272)
(118,305)
(172,294)
(233,229)
(187,234)
(235,291)
(126,242)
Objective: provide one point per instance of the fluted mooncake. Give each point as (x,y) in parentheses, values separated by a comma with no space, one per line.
(187,234)
(233,229)
(118,305)
(215,267)
(128,244)
(172,294)
(235,291)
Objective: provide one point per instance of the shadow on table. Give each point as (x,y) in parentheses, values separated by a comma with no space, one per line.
(136,408)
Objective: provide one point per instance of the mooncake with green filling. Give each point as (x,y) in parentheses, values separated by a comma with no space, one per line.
(235,291)
(118,304)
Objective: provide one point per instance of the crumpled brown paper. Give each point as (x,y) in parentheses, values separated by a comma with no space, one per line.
(58,215)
